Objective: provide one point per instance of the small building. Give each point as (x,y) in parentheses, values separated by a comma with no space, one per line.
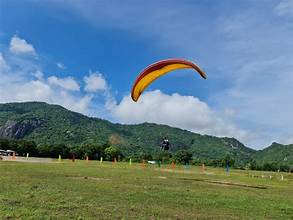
(10,152)
(3,152)
(7,152)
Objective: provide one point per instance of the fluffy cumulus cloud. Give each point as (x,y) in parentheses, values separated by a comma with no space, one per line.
(21,46)
(186,112)
(67,83)
(22,80)
(95,82)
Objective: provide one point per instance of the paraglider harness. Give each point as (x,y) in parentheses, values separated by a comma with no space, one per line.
(165,145)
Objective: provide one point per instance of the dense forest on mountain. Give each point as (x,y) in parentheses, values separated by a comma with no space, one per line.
(49,130)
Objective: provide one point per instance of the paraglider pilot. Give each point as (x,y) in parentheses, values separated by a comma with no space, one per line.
(165,144)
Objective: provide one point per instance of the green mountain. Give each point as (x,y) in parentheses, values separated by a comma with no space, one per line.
(47,124)
(278,153)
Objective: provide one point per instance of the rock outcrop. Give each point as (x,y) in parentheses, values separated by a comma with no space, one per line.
(17,130)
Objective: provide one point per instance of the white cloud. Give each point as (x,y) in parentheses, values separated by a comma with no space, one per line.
(81,103)
(36,90)
(61,65)
(186,112)
(17,85)
(284,8)
(3,65)
(66,83)
(257,49)
(21,46)
(33,90)
(95,82)
(38,74)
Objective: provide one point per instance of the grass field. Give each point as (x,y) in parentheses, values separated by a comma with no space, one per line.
(86,190)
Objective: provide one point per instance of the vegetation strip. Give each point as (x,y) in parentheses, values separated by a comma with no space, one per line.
(37,129)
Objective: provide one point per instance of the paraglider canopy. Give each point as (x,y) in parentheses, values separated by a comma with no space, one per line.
(156,70)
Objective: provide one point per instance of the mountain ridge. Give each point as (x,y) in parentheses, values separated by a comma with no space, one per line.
(48,124)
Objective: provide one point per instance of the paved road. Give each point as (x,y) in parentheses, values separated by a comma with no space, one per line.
(30,159)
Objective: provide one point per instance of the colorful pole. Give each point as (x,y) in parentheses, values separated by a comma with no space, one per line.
(13,156)
(173,165)
(227,168)
(202,167)
(114,161)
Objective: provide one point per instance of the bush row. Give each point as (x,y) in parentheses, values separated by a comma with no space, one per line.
(95,152)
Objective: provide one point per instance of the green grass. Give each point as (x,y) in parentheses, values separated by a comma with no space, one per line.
(85,190)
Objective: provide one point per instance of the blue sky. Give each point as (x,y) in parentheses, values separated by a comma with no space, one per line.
(85,56)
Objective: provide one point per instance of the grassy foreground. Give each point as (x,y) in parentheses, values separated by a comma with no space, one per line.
(86,190)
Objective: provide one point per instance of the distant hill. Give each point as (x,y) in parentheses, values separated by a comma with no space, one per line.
(53,124)
(279,153)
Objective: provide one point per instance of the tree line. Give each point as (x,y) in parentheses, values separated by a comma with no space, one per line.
(108,152)
(94,152)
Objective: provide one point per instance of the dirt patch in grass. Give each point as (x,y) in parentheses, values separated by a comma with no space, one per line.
(225,183)
(162,177)
(185,171)
(174,170)
(29,159)
(89,178)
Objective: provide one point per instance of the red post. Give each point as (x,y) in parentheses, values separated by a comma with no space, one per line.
(202,168)
(13,156)
(173,165)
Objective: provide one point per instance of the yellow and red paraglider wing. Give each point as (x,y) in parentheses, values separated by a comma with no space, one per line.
(156,70)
